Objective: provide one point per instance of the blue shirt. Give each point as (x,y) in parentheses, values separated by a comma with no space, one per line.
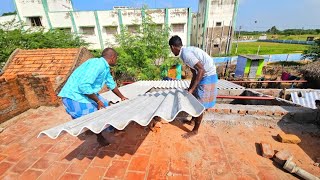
(192,55)
(88,78)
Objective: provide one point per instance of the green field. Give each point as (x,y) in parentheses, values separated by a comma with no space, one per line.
(296,37)
(267,48)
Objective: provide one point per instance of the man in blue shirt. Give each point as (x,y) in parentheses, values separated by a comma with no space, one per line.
(204,76)
(80,93)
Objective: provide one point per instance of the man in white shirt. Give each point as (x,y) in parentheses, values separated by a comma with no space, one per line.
(204,76)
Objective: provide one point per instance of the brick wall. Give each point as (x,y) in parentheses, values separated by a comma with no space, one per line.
(22,92)
(12,99)
(38,90)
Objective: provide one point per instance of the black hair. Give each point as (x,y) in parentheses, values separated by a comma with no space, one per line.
(175,41)
(108,52)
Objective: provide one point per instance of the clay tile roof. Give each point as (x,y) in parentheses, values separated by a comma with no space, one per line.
(57,64)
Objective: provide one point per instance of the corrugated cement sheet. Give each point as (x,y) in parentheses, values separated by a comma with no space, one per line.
(141,109)
(141,87)
(305,98)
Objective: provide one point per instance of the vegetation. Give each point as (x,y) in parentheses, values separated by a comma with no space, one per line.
(140,53)
(287,34)
(9,13)
(313,52)
(33,39)
(267,48)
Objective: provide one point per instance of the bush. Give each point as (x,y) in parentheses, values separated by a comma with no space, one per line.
(142,52)
(12,36)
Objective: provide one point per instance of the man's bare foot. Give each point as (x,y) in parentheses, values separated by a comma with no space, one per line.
(102,141)
(190,134)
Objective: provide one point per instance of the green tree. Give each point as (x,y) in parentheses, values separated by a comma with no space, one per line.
(273,30)
(141,52)
(313,52)
(12,36)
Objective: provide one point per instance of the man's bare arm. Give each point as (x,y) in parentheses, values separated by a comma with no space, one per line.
(200,72)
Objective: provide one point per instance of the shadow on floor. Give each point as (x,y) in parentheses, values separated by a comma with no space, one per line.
(121,145)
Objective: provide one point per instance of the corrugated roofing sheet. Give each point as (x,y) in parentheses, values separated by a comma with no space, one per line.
(306,99)
(141,87)
(141,109)
(184,84)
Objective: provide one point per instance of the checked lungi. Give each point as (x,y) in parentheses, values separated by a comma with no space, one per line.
(77,109)
(207,91)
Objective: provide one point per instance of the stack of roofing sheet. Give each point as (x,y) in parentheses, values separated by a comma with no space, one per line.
(141,109)
(306,98)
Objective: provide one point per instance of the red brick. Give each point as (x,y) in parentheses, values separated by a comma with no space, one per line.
(282,156)
(2,157)
(261,113)
(158,170)
(117,169)
(288,138)
(178,177)
(102,160)
(4,166)
(79,166)
(144,150)
(252,111)
(10,176)
(43,148)
(267,150)
(135,176)
(24,164)
(45,161)
(60,147)
(242,112)
(30,174)
(123,156)
(55,171)
(179,167)
(94,173)
(139,163)
(69,176)
(267,175)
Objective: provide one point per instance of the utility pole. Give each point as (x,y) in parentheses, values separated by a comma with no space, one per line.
(238,40)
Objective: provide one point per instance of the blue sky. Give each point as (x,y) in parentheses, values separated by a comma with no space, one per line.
(283,14)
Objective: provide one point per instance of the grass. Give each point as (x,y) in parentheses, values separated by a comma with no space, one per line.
(297,37)
(267,48)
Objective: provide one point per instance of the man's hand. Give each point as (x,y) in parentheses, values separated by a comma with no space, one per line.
(190,91)
(124,98)
(100,105)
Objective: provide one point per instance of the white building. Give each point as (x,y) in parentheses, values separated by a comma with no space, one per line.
(213,25)
(99,27)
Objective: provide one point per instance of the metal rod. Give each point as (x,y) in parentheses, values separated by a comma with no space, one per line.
(246,97)
(293,81)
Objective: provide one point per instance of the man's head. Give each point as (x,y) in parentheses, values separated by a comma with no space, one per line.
(110,55)
(175,44)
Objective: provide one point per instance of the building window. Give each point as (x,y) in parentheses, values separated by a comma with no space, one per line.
(216,45)
(111,30)
(178,28)
(87,30)
(218,23)
(133,28)
(35,21)
(67,30)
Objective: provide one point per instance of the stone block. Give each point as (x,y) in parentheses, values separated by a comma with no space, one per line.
(266,150)
(282,156)
(288,138)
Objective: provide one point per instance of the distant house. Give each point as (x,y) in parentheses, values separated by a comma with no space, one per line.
(249,66)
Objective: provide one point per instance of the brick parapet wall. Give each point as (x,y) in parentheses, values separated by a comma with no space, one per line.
(22,92)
